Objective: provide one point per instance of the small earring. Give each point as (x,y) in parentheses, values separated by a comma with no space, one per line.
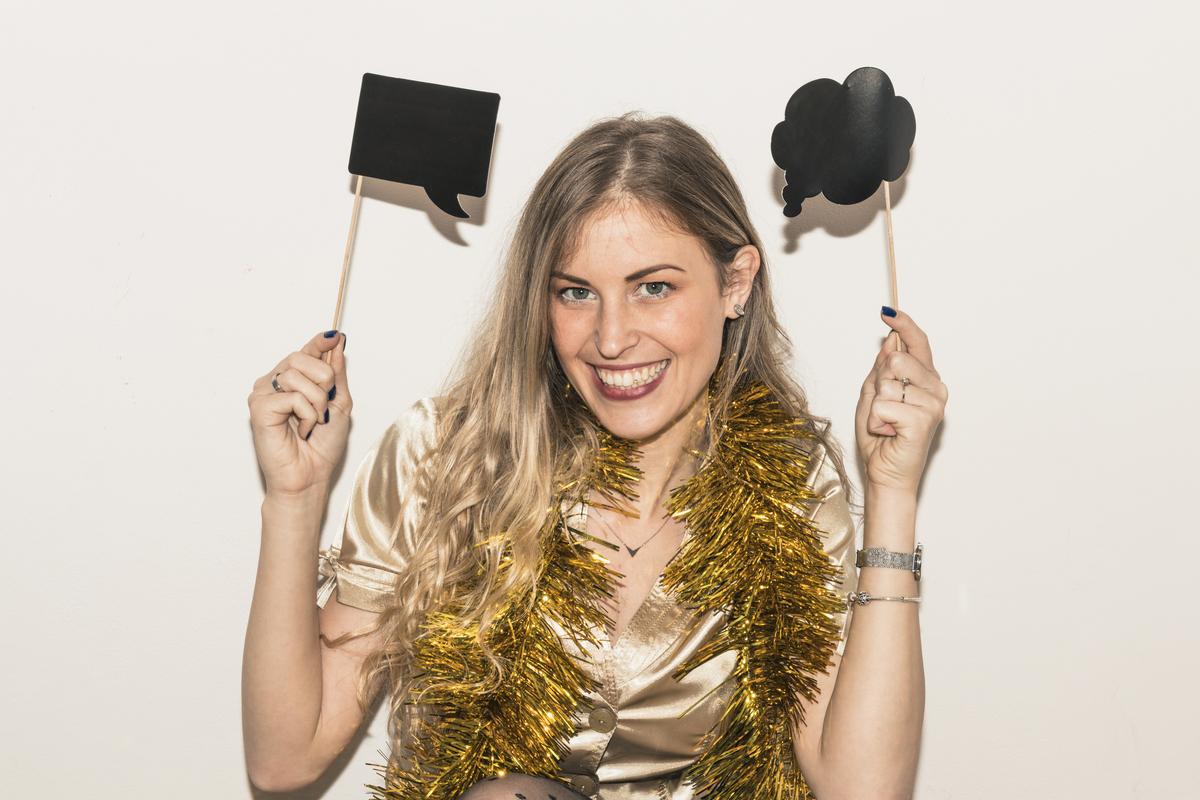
(737,309)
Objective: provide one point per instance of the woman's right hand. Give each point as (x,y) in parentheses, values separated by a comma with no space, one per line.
(300,433)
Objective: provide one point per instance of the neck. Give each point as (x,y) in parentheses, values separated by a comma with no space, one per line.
(664,462)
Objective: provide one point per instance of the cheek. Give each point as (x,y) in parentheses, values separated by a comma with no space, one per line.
(688,329)
(565,332)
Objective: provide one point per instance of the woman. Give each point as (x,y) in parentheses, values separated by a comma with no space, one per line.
(624,406)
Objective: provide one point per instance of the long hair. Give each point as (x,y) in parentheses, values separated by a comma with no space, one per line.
(505,435)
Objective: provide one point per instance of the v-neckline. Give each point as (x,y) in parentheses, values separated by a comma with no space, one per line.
(608,642)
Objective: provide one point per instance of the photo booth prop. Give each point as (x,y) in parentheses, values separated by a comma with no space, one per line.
(842,140)
(424,134)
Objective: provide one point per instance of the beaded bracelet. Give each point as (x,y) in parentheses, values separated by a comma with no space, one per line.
(862,598)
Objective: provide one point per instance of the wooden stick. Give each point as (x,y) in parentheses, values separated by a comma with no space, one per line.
(337,309)
(887,201)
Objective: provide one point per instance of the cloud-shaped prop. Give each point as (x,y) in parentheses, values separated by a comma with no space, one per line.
(842,139)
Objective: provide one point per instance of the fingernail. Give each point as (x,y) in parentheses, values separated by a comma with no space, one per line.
(332,392)
(308,434)
(330,334)
(888,311)
(327,415)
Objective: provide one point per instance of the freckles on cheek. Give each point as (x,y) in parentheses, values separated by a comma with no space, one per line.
(561,337)
(685,328)
(567,328)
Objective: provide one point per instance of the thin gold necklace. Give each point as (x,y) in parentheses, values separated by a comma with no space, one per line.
(633,551)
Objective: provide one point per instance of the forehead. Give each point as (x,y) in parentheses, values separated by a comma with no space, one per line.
(627,236)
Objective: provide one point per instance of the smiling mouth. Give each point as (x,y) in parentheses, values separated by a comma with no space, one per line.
(630,378)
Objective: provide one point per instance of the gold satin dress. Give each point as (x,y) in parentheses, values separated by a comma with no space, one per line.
(633,737)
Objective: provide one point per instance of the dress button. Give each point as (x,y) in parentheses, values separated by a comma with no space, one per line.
(585,784)
(602,719)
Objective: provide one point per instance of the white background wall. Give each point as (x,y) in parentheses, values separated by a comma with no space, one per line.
(175,203)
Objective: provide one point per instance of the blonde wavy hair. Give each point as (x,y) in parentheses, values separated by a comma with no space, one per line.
(505,435)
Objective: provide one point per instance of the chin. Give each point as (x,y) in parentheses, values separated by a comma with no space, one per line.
(638,425)
(636,412)
(635,432)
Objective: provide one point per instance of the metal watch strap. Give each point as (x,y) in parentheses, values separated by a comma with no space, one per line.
(882,557)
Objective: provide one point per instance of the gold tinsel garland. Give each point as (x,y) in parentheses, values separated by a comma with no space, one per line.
(753,552)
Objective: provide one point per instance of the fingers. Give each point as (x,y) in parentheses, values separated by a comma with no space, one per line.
(310,384)
(883,388)
(912,395)
(892,418)
(278,407)
(915,340)
(295,379)
(894,365)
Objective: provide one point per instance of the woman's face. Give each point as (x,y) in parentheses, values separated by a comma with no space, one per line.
(636,318)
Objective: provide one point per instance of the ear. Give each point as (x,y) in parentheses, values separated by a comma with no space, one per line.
(741,272)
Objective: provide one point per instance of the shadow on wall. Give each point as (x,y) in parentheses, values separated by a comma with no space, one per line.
(834,219)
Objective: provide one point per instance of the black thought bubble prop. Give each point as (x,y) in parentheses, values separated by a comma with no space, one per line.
(842,140)
(424,134)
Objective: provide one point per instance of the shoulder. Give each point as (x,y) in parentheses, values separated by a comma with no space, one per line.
(399,448)
(421,414)
(413,427)
(823,478)
(828,505)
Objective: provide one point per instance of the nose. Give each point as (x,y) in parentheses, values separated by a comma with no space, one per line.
(615,331)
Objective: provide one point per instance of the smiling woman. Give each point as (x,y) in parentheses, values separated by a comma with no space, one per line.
(634,303)
(606,560)
(610,329)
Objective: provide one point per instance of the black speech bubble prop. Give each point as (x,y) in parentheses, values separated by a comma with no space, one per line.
(425,134)
(842,139)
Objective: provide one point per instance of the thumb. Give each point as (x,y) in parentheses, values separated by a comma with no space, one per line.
(329,340)
(892,342)
(328,343)
(337,359)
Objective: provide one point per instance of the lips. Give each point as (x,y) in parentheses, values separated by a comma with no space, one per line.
(652,373)
(633,376)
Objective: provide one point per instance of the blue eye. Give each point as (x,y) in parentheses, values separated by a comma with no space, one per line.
(654,289)
(565,294)
(667,288)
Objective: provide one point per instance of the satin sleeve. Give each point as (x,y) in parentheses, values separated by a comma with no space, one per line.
(381,515)
(831,514)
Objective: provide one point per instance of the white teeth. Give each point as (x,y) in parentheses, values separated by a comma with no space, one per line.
(631,377)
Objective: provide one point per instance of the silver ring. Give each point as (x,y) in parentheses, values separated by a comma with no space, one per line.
(904,382)
(275,383)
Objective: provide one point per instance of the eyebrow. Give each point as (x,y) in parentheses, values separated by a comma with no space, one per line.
(633,276)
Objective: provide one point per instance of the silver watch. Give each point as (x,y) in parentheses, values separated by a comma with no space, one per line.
(882,557)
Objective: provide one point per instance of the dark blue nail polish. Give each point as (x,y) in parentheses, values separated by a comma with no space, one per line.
(332,392)
(327,415)
(308,434)
(330,334)
(888,311)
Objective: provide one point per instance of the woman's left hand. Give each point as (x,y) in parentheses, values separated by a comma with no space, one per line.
(894,436)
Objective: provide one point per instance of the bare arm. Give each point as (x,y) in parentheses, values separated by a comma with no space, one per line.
(867,724)
(869,734)
(299,702)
